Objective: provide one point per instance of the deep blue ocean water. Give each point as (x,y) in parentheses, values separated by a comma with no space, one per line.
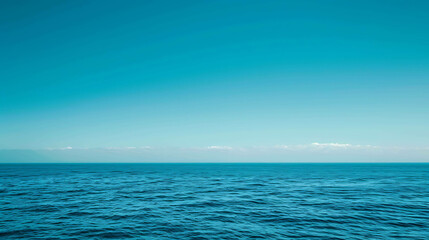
(214,201)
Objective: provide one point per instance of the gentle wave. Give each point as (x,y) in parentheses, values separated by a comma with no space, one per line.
(214,201)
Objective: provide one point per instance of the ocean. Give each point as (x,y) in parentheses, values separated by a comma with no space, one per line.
(214,201)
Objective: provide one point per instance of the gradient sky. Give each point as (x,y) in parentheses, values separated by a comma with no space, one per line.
(206,74)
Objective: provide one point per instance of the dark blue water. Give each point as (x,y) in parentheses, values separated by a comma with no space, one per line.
(214,201)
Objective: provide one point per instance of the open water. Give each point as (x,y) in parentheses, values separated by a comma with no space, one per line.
(214,201)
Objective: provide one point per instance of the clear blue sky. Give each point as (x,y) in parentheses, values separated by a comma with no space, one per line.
(185,74)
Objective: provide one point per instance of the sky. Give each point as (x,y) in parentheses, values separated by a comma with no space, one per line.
(214,81)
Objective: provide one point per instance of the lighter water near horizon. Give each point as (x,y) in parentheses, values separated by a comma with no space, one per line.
(214,201)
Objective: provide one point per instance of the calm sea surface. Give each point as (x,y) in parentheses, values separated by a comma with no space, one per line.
(214,201)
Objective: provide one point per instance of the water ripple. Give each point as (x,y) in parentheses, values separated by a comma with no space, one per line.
(214,201)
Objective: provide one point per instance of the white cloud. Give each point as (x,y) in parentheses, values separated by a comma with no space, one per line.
(55,149)
(316,146)
(332,145)
(316,151)
(340,146)
(219,148)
